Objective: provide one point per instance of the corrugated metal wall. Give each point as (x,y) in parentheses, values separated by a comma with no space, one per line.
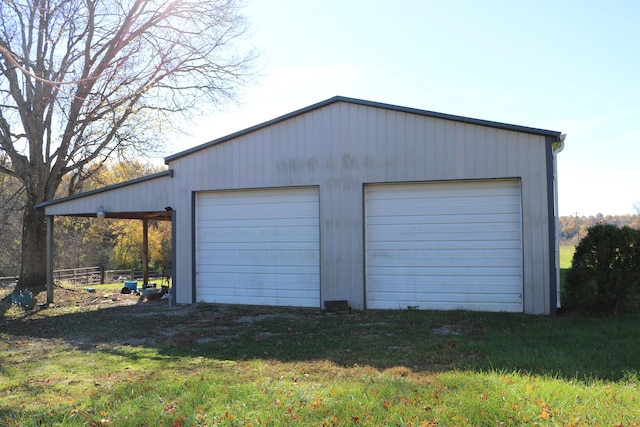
(145,196)
(341,146)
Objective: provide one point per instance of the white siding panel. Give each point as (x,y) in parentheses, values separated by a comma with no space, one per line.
(342,147)
(258,247)
(445,245)
(147,196)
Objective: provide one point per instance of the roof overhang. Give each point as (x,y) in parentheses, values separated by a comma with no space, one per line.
(140,198)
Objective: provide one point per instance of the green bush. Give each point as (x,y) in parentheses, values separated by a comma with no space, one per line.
(605,270)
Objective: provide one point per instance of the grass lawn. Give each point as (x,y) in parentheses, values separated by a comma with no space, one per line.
(95,361)
(566,255)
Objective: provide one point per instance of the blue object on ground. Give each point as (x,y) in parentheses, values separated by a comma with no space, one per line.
(23,299)
(131,285)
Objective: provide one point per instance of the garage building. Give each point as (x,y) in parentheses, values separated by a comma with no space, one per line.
(379,205)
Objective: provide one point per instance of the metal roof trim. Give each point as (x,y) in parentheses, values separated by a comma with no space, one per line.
(168,172)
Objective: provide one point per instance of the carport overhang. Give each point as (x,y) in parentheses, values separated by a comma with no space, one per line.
(146,199)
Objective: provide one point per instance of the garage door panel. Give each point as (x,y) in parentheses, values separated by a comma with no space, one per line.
(453,218)
(452,206)
(508,221)
(259,247)
(457,298)
(251,297)
(255,233)
(399,301)
(243,198)
(436,233)
(401,272)
(243,240)
(242,273)
(415,258)
(257,223)
(301,270)
(430,244)
(461,244)
(294,249)
(259,259)
(245,207)
(486,282)
(269,284)
(445,189)
(495,302)
(416,226)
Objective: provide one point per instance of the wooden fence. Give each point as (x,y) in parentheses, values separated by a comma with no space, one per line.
(86,276)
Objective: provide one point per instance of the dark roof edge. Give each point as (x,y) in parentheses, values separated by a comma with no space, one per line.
(488,123)
(168,172)
(452,117)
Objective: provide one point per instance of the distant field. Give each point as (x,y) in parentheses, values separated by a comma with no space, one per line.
(566,255)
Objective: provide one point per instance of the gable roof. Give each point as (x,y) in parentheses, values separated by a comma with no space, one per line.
(335,99)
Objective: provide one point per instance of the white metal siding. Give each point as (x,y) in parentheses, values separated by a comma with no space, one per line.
(342,146)
(446,245)
(258,247)
(147,196)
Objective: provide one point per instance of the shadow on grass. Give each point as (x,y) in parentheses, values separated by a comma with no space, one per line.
(571,346)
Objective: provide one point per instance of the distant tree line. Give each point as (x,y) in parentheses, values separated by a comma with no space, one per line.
(574,228)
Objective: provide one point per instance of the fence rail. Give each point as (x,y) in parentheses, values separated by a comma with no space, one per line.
(8,281)
(86,276)
(131,274)
(79,276)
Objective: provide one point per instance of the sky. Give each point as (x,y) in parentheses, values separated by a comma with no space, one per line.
(568,66)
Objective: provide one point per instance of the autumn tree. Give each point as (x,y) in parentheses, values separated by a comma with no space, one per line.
(82,80)
(84,242)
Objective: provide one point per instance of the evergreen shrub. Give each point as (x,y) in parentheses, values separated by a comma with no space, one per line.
(605,270)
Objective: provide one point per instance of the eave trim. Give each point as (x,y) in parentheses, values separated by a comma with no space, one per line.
(168,172)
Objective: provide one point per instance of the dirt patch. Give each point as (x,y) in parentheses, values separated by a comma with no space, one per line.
(71,297)
(64,297)
(77,300)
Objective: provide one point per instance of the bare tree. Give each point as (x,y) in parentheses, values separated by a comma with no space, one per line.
(81,80)
(11,202)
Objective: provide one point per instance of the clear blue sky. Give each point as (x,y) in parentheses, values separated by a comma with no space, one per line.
(569,66)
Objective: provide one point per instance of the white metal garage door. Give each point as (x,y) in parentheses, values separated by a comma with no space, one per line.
(258,247)
(445,245)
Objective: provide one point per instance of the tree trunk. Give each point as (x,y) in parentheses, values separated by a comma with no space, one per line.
(33,272)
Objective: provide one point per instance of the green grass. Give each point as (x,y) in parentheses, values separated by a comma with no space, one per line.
(566,255)
(147,364)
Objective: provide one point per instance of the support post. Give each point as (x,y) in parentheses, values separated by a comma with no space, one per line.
(145,252)
(49,259)
(172,299)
